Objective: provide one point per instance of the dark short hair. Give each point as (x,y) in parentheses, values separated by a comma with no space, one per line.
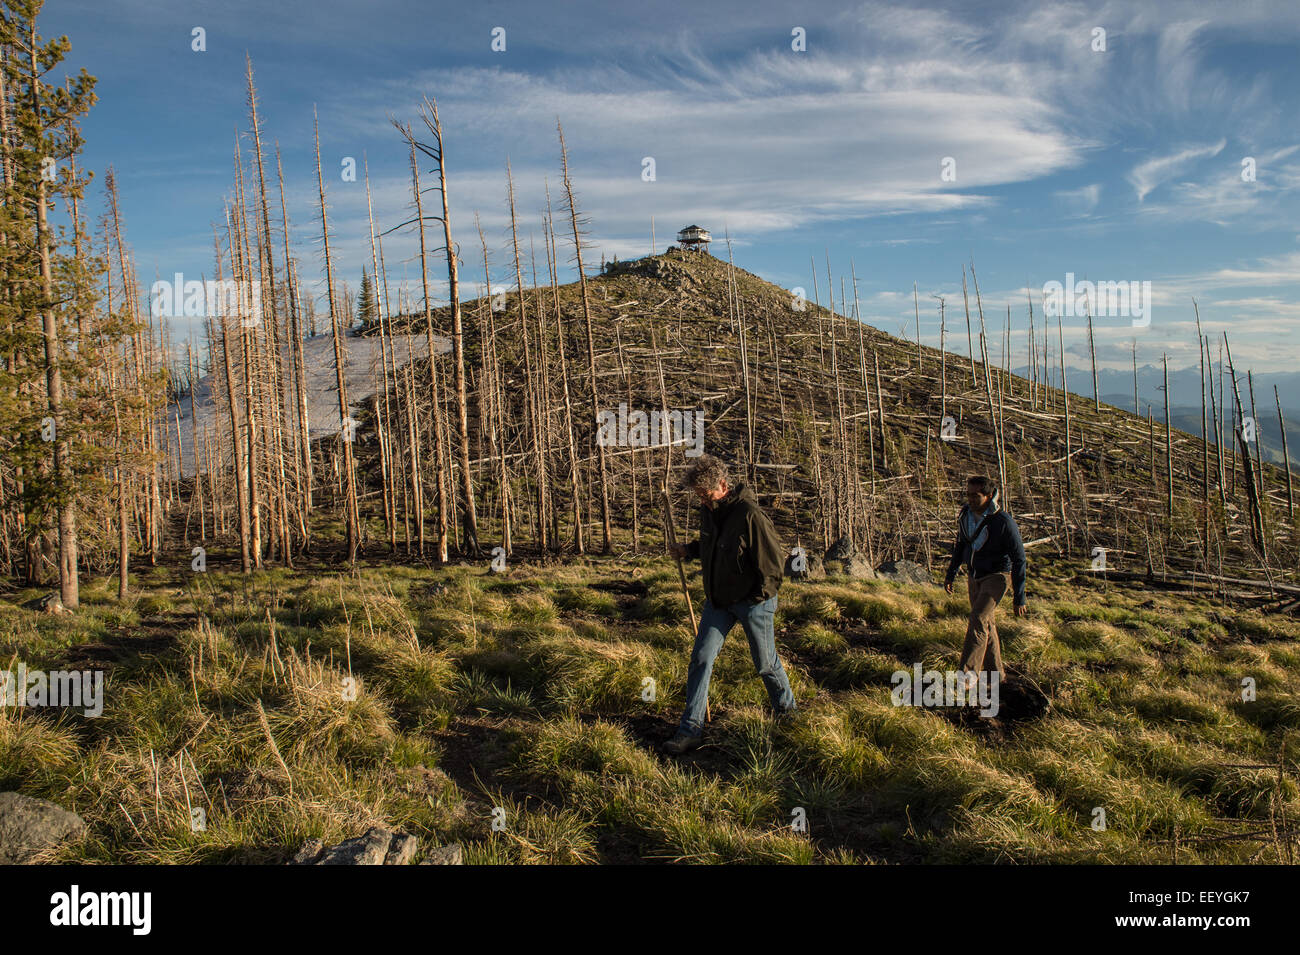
(705,474)
(985,484)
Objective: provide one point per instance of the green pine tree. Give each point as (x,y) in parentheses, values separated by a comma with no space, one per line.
(55,383)
(367,307)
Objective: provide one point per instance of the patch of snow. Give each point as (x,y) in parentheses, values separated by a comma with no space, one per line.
(362,365)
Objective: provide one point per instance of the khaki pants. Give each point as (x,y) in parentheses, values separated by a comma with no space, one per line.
(982,650)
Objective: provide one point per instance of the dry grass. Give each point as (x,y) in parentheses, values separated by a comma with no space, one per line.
(427,700)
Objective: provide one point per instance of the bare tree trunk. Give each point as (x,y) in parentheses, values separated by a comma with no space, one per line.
(880,403)
(435,390)
(1286,456)
(1259,451)
(266,263)
(345,422)
(196,495)
(495,423)
(543,408)
(553,265)
(243,269)
(1256,514)
(245,534)
(297,432)
(591,346)
(299,373)
(1205,450)
(469,518)
(1216,414)
(970,344)
(1065,397)
(1169,452)
(531,399)
(916,307)
(1092,354)
(988,386)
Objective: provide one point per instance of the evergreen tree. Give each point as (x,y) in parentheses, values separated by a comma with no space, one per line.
(367,307)
(61,373)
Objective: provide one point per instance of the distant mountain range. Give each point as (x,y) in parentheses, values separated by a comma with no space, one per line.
(1116,388)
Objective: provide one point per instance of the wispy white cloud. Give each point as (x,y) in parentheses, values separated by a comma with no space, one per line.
(1148,175)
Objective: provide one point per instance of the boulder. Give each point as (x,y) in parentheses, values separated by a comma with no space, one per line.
(50,603)
(29,826)
(904,572)
(812,568)
(852,566)
(311,851)
(446,855)
(377,846)
(841,549)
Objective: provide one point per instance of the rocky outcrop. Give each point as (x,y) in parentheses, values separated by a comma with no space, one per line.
(446,855)
(854,566)
(810,567)
(377,846)
(29,827)
(841,549)
(904,572)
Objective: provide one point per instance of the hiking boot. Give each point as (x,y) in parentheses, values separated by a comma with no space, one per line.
(681,743)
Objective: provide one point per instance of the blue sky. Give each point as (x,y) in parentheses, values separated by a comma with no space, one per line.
(1122,164)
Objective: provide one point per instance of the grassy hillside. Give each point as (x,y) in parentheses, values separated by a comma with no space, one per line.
(890,481)
(525,691)
(311,702)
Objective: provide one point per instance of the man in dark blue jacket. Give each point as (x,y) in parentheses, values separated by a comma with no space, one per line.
(989,545)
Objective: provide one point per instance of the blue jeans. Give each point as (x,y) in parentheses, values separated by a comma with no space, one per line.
(715,623)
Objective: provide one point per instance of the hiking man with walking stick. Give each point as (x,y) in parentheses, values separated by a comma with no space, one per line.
(989,545)
(742,564)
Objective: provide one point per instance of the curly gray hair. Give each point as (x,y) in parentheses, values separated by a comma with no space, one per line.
(705,474)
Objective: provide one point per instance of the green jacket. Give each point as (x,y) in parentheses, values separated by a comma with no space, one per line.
(738,549)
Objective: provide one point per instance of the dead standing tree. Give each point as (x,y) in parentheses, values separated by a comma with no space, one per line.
(435,151)
(532,395)
(591,345)
(270,318)
(302,457)
(434,387)
(237,446)
(553,266)
(1256,514)
(493,416)
(345,422)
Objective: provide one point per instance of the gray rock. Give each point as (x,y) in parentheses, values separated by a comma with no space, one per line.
(29,826)
(446,855)
(904,572)
(311,851)
(814,568)
(850,567)
(402,848)
(841,549)
(50,603)
(376,846)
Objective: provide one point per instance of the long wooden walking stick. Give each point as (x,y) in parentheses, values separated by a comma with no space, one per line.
(671,536)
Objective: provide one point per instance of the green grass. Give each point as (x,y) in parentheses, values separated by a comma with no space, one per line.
(440,701)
